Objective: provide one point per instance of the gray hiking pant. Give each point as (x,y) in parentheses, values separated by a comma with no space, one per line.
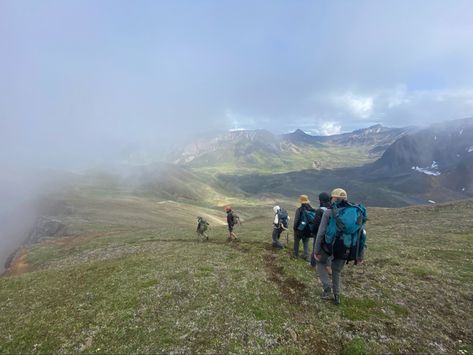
(276,234)
(305,242)
(337,266)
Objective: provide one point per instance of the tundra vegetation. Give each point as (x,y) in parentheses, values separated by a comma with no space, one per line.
(131,276)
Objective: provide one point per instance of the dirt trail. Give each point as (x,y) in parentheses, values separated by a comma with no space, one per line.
(288,285)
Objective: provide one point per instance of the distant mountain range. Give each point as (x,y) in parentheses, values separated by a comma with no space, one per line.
(378,165)
(262,151)
(434,164)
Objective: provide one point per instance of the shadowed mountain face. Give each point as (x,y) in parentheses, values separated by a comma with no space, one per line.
(442,152)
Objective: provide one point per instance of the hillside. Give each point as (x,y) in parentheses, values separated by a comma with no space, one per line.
(263,152)
(443,152)
(131,277)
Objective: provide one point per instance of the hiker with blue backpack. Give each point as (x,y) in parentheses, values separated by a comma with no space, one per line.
(280,224)
(303,226)
(341,235)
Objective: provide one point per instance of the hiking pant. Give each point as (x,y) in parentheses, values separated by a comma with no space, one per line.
(276,234)
(337,266)
(305,242)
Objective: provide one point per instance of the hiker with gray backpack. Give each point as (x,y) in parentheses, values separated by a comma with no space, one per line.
(280,224)
(202,227)
(303,226)
(341,235)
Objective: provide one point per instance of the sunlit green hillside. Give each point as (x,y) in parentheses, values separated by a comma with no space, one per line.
(132,278)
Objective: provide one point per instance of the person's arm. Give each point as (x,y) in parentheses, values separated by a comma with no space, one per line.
(321,232)
(276,220)
(318,218)
(297,217)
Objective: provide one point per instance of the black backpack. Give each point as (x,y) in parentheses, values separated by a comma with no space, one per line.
(234,218)
(283,218)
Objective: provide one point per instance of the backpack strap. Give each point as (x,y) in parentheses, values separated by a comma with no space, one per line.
(338,221)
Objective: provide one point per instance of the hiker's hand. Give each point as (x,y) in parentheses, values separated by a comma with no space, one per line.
(360,262)
(317,257)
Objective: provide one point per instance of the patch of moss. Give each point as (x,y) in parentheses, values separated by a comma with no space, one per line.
(355,346)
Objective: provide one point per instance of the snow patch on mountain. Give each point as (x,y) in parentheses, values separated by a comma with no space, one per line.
(432,170)
(470,149)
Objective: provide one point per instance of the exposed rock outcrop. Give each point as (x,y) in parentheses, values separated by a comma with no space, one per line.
(47,227)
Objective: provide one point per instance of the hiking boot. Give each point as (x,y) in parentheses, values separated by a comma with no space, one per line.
(336,299)
(327,294)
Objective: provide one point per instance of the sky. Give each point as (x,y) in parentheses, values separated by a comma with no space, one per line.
(80,81)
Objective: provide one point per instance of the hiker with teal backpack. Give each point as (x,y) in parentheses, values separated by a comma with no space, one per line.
(280,224)
(303,226)
(341,235)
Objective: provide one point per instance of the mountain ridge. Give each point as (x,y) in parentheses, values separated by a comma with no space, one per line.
(251,150)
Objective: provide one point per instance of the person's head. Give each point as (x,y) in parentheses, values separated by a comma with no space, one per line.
(199,218)
(324,199)
(304,199)
(338,195)
(227,209)
(276,209)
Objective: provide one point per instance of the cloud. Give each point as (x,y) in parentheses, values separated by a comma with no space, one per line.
(78,79)
(358,106)
(330,128)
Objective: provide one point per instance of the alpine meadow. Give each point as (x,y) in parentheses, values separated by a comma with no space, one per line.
(236,177)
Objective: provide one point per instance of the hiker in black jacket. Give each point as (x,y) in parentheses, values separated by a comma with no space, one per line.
(232,219)
(305,234)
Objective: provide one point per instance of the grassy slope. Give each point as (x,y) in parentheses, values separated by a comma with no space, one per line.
(134,279)
(329,157)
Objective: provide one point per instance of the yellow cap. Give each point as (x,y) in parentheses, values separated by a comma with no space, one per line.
(339,193)
(304,199)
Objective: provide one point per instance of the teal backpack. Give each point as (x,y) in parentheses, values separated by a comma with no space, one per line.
(345,237)
(306,223)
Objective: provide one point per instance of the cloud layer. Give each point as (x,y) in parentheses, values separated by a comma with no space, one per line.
(82,78)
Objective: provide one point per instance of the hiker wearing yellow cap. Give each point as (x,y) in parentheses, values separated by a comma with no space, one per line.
(303,221)
(330,241)
(339,194)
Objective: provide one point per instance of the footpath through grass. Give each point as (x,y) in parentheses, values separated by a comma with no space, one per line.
(140,282)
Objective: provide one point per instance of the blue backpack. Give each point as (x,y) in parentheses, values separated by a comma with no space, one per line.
(345,237)
(306,223)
